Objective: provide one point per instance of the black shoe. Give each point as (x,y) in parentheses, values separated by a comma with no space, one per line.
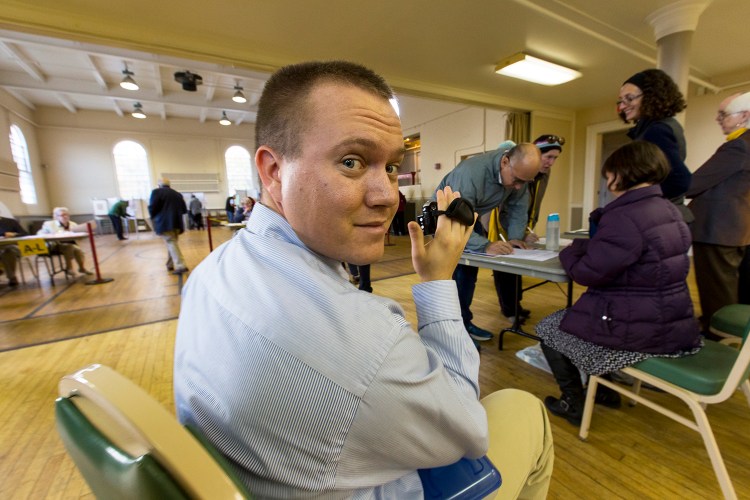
(123,238)
(565,407)
(13,282)
(478,334)
(607,397)
(523,313)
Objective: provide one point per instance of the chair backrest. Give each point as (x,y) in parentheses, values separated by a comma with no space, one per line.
(126,444)
(739,372)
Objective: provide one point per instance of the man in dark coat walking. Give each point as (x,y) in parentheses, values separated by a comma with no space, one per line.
(167,208)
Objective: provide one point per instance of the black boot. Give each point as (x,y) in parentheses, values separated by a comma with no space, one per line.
(568,406)
(606,396)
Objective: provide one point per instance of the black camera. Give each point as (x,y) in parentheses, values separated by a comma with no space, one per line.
(459,209)
(428,219)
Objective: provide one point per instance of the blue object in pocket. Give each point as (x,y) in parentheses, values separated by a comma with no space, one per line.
(467,479)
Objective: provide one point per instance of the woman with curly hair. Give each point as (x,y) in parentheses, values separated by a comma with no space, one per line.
(650,99)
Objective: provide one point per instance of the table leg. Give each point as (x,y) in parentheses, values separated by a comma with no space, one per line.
(516,326)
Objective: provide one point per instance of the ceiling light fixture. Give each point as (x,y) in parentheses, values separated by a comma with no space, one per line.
(224,120)
(535,70)
(138,111)
(128,83)
(238,95)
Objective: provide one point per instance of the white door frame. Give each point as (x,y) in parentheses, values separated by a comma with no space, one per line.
(591,166)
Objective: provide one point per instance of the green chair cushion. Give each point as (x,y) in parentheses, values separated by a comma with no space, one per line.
(703,373)
(731,319)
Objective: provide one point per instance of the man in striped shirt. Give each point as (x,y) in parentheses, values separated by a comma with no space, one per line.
(310,387)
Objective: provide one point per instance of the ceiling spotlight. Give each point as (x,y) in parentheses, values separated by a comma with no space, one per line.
(138,111)
(238,95)
(189,81)
(128,83)
(533,69)
(224,120)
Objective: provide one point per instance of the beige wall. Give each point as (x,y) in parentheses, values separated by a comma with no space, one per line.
(77,152)
(448,131)
(558,195)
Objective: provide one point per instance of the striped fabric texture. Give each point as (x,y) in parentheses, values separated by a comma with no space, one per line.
(312,388)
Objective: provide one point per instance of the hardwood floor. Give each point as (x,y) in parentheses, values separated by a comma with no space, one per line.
(129,324)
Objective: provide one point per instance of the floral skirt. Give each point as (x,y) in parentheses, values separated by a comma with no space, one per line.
(591,358)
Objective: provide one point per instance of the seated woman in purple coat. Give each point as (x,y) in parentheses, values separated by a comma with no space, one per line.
(635,265)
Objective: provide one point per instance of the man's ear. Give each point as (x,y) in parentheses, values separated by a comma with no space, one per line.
(268,163)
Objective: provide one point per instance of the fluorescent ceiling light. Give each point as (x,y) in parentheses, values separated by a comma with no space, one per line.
(535,70)
(224,120)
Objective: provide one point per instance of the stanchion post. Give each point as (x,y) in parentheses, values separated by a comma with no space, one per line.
(210,241)
(99,280)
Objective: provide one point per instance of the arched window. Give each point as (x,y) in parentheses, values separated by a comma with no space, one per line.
(21,156)
(131,164)
(239,170)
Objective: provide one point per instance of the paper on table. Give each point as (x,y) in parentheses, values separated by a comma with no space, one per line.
(525,254)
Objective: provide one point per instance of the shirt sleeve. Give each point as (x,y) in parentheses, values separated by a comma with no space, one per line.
(430,393)
(728,160)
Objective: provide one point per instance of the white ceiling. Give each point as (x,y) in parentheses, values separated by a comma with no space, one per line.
(443,48)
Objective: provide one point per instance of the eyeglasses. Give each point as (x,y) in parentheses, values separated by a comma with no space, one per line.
(721,115)
(628,100)
(548,140)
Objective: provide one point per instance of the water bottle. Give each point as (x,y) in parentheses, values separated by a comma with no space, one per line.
(553,232)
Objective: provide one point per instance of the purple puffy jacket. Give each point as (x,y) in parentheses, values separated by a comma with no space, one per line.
(635,266)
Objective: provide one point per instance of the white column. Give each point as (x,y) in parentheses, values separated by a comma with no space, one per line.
(674,25)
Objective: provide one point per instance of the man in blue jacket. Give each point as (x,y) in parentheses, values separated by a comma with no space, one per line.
(167,208)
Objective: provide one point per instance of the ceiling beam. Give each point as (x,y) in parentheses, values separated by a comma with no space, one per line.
(117,109)
(19,81)
(26,64)
(21,98)
(156,71)
(66,102)
(95,72)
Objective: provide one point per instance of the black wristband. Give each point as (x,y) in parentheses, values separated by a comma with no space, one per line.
(460,210)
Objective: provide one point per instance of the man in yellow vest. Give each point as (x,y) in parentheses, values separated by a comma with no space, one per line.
(550,147)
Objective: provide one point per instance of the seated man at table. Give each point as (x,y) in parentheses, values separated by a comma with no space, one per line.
(9,254)
(310,387)
(61,223)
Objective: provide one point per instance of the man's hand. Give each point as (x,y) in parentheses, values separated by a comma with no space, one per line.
(531,238)
(499,248)
(517,244)
(437,259)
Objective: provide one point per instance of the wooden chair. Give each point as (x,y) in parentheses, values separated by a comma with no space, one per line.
(709,377)
(126,445)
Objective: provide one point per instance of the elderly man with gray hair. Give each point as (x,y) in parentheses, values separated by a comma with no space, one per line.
(166,208)
(61,223)
(720,190)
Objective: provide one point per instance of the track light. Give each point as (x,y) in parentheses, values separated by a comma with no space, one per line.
(128,83)
(535,70)
(238,95)
(138,111)
(224,120)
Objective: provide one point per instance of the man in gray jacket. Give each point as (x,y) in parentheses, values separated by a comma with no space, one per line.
(497,178)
